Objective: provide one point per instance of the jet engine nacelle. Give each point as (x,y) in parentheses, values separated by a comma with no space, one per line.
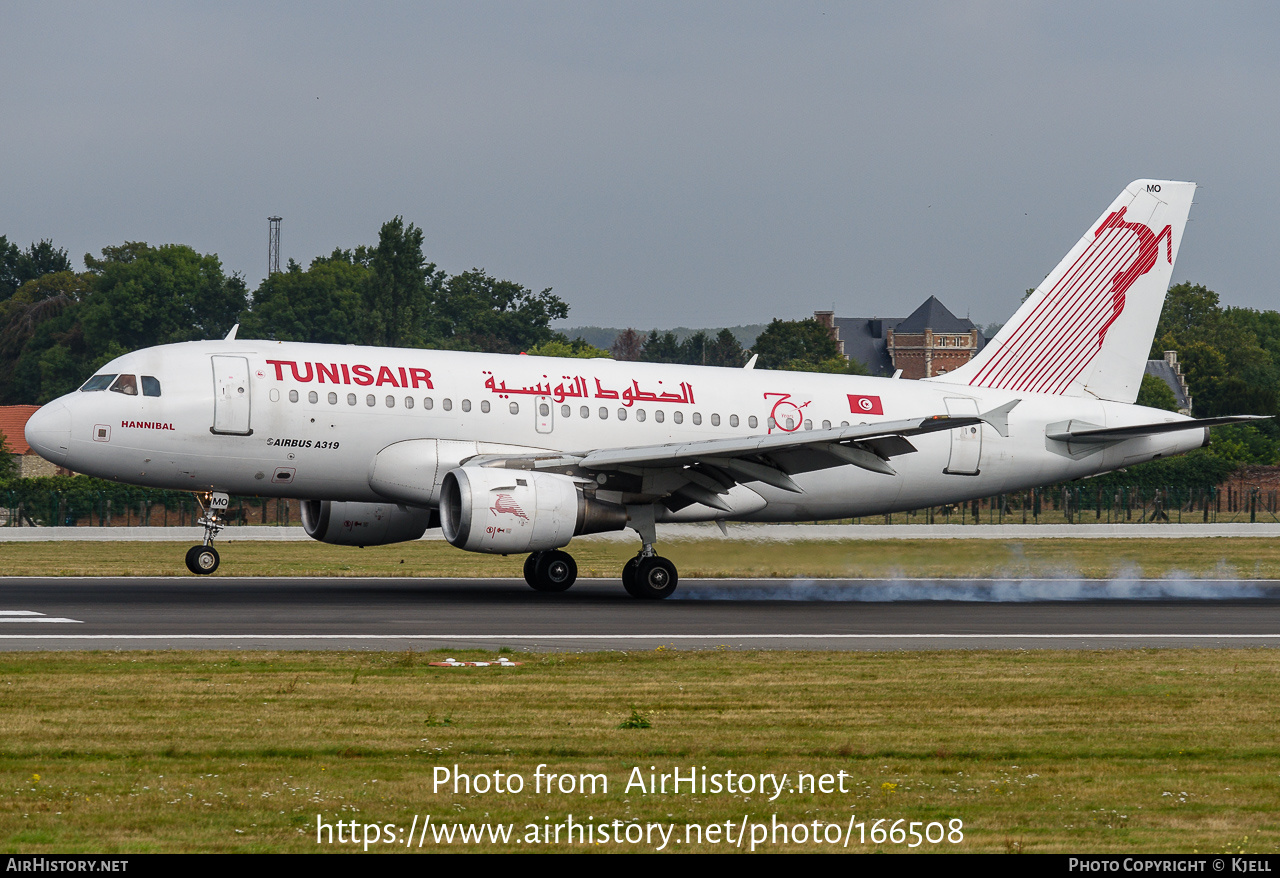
(503,511)
(363,524)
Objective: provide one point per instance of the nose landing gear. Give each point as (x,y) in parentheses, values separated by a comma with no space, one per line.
(203,559)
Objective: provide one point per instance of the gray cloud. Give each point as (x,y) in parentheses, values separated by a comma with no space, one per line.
(655,164)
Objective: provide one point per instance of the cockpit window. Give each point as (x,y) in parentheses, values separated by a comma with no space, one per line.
(150,386)
(126,384)
(97,382)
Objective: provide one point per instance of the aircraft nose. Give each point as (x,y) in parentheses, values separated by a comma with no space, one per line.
(49,432)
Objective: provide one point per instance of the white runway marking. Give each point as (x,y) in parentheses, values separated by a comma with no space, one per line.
(269,636)
(32,616)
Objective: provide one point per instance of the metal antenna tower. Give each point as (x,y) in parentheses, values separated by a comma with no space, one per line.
(273,246)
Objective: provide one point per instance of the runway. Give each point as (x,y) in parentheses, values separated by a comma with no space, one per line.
(420,614)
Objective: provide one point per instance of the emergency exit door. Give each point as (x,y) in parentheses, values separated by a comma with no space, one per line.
(231,403)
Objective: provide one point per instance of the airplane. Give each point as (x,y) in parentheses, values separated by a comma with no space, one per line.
(513,454)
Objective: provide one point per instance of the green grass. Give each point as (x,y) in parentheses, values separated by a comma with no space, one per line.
(1088,751)
(1247,557)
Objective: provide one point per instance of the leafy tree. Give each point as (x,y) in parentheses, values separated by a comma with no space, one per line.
(725,350)
(1156,394)
(1189,310)
(1228,370)
(627,346)
(663,348)
(18,266)
(323,304)
(1245,444)
(145,296)
(39,324)
(798,345)
(8,464)
(561,347)
(398,291)
(476,311)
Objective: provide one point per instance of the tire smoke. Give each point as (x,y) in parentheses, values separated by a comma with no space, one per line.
(1124,587)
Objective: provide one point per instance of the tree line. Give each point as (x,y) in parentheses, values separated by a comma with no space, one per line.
(57,326)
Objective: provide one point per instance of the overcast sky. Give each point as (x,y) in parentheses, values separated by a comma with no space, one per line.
(656,164)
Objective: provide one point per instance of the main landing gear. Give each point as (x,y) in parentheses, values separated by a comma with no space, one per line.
(550,571)
(203,559)
(647,576)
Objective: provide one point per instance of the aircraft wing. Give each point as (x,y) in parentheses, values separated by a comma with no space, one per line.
(701,472)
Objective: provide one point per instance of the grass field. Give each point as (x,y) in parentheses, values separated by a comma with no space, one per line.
(1044,751)
(1100,558)
(1112,751)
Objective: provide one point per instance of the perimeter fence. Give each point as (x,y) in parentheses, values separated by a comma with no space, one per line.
(81,501)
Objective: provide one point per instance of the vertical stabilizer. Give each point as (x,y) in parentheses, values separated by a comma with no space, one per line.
(1087,328)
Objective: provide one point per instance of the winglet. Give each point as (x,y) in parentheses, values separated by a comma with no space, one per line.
(998,418)
(232,334)
(751,363)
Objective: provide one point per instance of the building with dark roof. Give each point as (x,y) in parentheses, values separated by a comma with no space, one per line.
(1169,370)
(930,341)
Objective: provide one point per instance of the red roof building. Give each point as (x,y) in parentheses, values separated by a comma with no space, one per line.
(13,422)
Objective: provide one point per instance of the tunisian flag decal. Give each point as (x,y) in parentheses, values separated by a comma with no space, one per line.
(865,405)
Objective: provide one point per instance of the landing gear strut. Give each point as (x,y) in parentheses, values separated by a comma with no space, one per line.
(648,576)
(550,571)
(203,559)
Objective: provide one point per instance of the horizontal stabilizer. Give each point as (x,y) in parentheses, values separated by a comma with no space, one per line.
(1080,433)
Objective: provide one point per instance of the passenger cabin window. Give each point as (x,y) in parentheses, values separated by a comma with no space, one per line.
(97,382)
(150,386)
(126,384)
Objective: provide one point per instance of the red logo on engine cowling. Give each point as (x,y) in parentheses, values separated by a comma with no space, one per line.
(506,503)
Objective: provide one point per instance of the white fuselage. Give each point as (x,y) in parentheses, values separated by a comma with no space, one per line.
(311,419)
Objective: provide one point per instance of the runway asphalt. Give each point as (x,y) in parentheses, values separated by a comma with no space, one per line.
(396,614)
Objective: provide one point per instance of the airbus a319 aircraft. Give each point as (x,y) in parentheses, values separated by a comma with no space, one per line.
(515,454)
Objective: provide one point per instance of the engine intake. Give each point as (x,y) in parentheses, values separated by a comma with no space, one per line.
(503,511)
(364,524)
